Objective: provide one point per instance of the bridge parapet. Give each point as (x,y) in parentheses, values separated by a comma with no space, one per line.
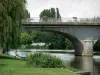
(74,20)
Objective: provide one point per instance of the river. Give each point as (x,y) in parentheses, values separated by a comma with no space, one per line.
(85,64)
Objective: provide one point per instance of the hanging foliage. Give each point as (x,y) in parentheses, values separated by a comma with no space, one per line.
(11,14)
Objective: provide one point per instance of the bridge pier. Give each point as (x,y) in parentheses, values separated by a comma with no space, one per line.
(87,47)
(84,48)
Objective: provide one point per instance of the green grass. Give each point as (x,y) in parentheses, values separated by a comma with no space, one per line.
(36,71)
(12,66)
(11,62)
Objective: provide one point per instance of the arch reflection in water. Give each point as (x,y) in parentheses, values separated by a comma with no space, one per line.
(83,63)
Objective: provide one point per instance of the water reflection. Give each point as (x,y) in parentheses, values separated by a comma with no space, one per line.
(87,64)
(97,64)
(83,63)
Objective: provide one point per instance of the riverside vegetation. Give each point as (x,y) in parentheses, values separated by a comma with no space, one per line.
(44,61)
(14,66)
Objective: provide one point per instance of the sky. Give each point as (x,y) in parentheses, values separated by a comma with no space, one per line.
(67,8)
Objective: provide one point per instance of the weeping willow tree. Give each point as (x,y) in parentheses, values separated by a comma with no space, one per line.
(11,14)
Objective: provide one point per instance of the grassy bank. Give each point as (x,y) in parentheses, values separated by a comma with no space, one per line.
(13,66)
(35,71)
(11,62)
(96,53)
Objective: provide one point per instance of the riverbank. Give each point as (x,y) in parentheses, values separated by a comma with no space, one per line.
(96,53)
(10,66)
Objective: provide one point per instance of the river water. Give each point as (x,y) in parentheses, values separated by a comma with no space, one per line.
(85,64)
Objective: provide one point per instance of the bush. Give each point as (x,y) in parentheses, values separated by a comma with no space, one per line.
(44,61)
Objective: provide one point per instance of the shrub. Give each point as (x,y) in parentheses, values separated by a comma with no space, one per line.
(44,61)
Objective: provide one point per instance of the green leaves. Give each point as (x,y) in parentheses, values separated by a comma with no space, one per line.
(52,40)
(39,60)
(26,38)
(11,14)
(48,14)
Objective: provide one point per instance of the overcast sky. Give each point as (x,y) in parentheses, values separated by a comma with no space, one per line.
(67,8)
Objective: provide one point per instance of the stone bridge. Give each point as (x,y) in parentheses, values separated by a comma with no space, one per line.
(83,35)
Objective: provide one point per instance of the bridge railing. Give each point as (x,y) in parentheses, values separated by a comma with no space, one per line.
(73,20)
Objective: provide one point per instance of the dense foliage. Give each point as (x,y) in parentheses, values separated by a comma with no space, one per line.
(26,38)
(97,46)
(11,14)
(51,40)
(44,61)
(46,14)
(58,42)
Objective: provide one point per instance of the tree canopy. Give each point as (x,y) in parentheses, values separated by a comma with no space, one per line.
(11,14)
(50,13)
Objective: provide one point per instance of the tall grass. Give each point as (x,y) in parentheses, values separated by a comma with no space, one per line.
(44,61)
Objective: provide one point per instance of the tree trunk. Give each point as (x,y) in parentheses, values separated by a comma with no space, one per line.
(5,51)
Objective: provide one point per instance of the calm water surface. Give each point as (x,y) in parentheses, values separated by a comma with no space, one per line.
(85,64)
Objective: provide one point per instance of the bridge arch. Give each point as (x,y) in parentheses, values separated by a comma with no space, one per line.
(78,46)
(96,45)
(82,36)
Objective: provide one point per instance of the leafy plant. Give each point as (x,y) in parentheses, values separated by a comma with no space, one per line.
(44,61)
